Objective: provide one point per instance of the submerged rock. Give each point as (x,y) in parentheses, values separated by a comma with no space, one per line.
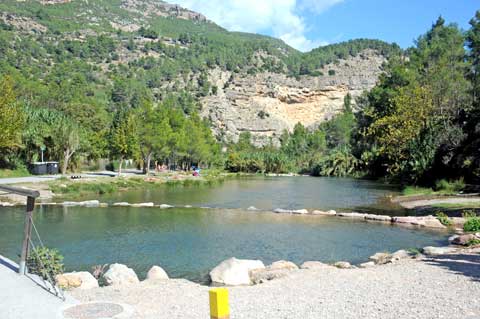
(234,272)
(118,274)
(430,250)
(143,205)
(87,203)
(380,218)
(80,280)
(157,273)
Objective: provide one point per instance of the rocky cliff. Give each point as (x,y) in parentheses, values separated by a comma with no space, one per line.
(266,104)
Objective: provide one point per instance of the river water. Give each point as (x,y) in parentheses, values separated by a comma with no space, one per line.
(189,242)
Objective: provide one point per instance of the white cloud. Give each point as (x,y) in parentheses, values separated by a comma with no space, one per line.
(281,18)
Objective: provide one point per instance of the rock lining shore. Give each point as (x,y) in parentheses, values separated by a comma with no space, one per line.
(420,221)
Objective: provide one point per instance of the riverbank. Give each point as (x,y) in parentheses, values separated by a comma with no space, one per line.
(98,183)
(443,286)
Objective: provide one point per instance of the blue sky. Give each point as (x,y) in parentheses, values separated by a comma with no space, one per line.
(306,24)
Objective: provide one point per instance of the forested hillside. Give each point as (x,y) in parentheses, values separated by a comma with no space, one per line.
(126,79)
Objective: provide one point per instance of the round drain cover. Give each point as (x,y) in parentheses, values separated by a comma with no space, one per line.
(93,311)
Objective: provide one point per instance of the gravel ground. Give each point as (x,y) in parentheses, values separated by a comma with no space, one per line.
(446,286)
(429,202)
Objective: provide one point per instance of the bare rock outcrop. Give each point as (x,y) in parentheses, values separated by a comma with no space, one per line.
(266,104)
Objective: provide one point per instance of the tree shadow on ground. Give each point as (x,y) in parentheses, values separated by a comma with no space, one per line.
(464,264)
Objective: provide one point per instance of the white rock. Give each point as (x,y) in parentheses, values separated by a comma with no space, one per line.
(324,213)
(252,208)
(290,211)
(380,218)
(119,274)
(283,264)
(143,205)
(165,206)
(157,273)
(234,272)
(401,254)
(276,270)
(314,265)
(429,250)
(343,265)
(300,211)
(88,203)
(367,264)
(381,258)
(80,280)
(188,206)
(352,215)
(122,204)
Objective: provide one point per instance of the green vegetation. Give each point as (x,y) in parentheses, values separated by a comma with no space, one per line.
(82,91)
(444,219)
(45,262)
(473,222)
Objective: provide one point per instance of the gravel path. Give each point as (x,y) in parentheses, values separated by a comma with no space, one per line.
(447,286)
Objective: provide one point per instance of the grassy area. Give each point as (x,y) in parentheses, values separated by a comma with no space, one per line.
(106,185)
(7,173)
(442,187)
(457,205)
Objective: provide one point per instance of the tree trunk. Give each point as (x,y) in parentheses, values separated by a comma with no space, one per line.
(147,168)
(120,167)
(66,159)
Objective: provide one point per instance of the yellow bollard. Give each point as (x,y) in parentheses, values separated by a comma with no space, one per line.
(219,303)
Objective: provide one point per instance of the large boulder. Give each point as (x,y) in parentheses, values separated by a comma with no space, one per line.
(424,221)
(234,272)
(430,250)
(401,254)
(157,273)
(81,280)
(118,274)
(463,240)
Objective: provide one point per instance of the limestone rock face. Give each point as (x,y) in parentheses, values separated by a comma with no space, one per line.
(266,104)
(81,280)
(157,273)
(118,275)
(234,272)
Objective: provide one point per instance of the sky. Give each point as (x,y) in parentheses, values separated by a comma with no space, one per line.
(307,24)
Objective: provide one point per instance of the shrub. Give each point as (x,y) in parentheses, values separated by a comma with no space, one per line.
(444,219)
(473,222)
(445,186)
(473,242)
(45,262)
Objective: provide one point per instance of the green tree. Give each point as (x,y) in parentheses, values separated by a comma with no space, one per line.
(123,137)
(11,116)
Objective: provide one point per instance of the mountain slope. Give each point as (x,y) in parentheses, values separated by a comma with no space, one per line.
(109,52)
